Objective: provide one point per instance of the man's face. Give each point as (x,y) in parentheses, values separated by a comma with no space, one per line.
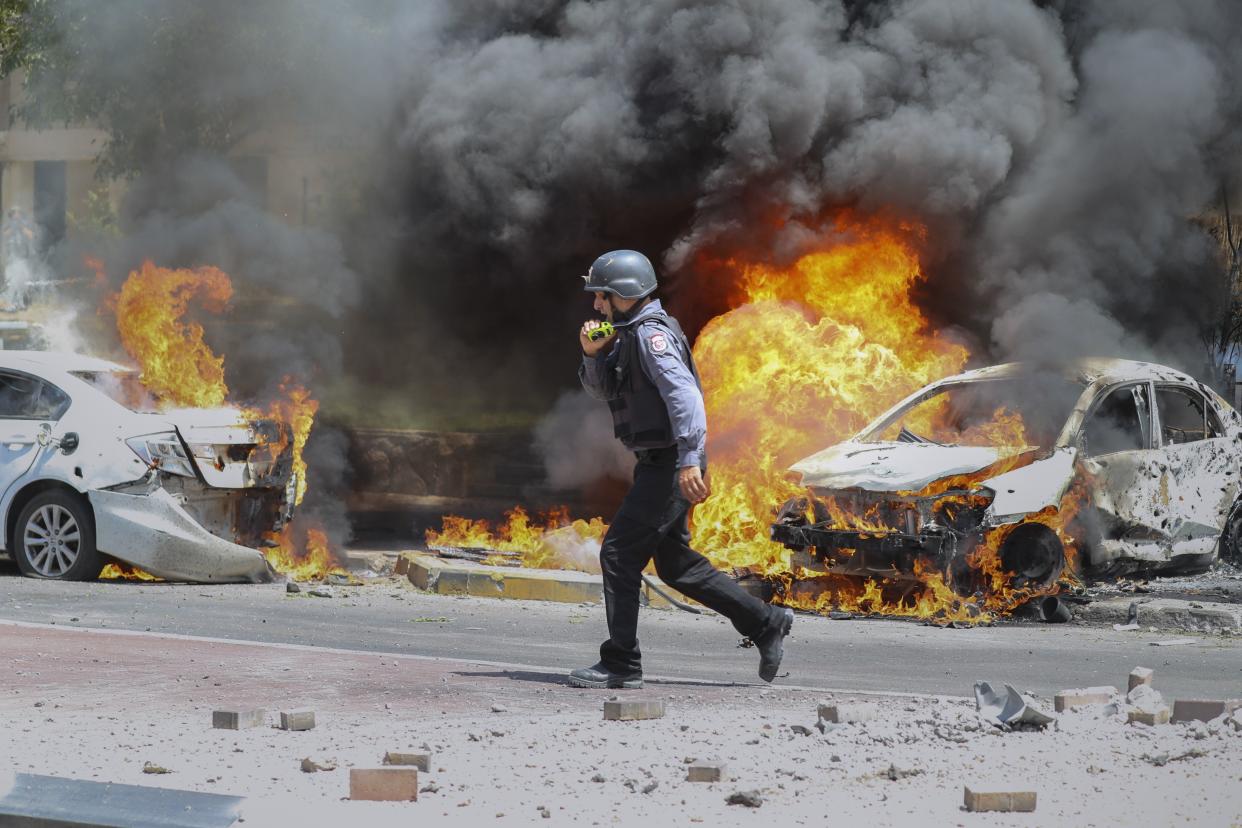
(606,304)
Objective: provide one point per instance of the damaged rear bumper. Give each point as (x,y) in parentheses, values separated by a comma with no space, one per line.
(155,533)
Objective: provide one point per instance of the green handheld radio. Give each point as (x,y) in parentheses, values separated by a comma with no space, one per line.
(604,330)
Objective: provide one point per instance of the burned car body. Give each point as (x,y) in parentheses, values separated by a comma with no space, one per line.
(1019,471)
(91,467)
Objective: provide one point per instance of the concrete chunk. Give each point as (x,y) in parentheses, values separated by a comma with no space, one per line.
(979,800)
(628,710)
(706,772)
(237,719)
(422,761)
(1069,699)
(301,719)
(1155,716)
(383,784)
(1203,710)
(402,566)
(846,713)
(1139,676)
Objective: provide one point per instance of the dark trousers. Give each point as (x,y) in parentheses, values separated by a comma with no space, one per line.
(653,521)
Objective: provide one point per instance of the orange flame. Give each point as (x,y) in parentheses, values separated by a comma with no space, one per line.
(815,352)
(177,365)
(297,410)
(808,356)
(553,541)
(125,572)
(180,368)
(308,560)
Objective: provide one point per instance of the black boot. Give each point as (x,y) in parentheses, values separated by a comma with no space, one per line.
(772,645)
(601,677)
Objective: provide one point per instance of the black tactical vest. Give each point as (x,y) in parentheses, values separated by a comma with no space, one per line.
(639,414)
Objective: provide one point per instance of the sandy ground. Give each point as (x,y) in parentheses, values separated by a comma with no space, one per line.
(511,743)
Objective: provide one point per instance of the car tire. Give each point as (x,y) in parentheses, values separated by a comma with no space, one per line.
(1229,548)
(54,538)
(1033,554)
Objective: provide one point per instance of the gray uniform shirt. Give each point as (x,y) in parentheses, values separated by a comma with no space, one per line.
(664,365)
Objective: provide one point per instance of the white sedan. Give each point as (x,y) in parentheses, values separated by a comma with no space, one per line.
(91,469)
(1138,465)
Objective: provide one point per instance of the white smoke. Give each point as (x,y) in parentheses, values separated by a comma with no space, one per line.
(577,445)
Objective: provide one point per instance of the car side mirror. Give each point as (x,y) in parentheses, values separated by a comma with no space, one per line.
(69,443)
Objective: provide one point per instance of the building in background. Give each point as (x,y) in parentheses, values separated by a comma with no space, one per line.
(48,178)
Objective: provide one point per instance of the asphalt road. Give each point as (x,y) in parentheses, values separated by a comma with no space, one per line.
(871,655)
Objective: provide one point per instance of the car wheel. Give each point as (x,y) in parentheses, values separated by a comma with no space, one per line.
(54,538)
(1230,547)
(1034,554)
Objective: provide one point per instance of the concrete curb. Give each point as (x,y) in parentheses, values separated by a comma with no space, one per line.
(445,577)
(1165,613)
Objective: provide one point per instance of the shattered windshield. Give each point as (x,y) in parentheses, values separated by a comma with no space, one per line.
(1015,412)
(124,387)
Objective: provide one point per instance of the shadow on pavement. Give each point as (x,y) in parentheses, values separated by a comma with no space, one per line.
(561,679)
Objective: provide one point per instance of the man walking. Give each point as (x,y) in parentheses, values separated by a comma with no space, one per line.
(645,372)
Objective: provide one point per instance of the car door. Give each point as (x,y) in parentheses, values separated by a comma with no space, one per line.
(1200,460)
(1129,483)
(26,403)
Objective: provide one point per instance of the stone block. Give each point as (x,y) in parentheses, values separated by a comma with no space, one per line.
(422,761)
(979,800)
(1155,716)
(1139,676)
(1082,697)
(402,566)
(302,719)
(383,784)
(1203,710)
(706,772)
(237,719)
(630,710)
(846,713)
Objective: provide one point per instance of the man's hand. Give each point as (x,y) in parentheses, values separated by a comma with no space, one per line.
(694,487)
(593,347)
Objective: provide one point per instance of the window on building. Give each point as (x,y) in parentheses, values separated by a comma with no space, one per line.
(50,201)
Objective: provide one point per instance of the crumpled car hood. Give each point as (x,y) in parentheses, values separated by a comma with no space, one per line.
(890,467)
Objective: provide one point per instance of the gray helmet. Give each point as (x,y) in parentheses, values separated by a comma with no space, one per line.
(624,273)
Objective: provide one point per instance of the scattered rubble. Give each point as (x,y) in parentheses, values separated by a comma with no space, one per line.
(237,719)
(979,800)
(302,719)
(1140,676)
(706,772)
(846,713)
(383,784)
(1070,699)
(1147,706)
(422,761)
(628,710)
(1204,710)
(311,766)
(1007,710)
(751,799)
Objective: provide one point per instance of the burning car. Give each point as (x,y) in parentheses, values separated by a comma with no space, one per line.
(93,468)
(1018,473)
